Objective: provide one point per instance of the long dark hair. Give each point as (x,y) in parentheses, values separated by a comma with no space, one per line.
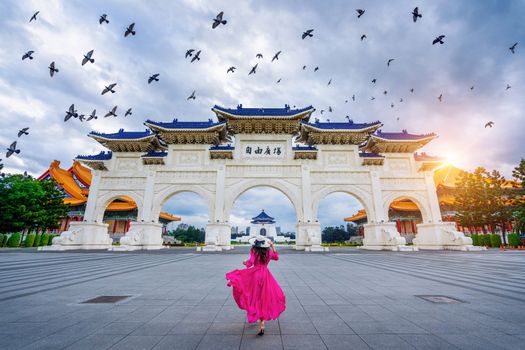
(261,254)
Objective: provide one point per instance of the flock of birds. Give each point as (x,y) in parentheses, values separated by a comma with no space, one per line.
(193,55)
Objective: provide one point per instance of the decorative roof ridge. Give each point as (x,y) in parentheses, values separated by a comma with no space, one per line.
(349,125)
(423,156)
(287,111)
(103,155)
(155,154)
(304,148)
(403,135)
(222,148)
(262,215)
(123,135)
(370,155)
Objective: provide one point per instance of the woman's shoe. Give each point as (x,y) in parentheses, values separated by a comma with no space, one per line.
(261,331)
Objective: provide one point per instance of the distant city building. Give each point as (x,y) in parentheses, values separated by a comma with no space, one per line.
(248,230)
(278,230)
(263,225)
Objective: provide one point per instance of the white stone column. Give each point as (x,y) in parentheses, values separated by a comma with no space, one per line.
(307,230)
(436,234)
(379,233)
(147,205)
(89,213)
(218,231)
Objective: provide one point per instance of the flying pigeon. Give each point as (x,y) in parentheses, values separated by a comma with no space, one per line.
(489,124)
(307,33)
(276,56)
(508,87)
(416,14)
(440,98)
(439,39)
(316,69)
(81,117)
(33,18)
(52,69)
(71,112)
(389,61)
(372,98)
(113,112)
(103,19)
(189,53)
(330,109)
(130,30)
(329,82)
(349,119)
(252,71)
(12,149)
(322,111)
(28,55)
(363,37)
(87,58)
(374,80)
(192,96)
(412,90)
(196,57)
(154,77)
(472,88)
(346,101)
(218,20)
(259,55)
(360,13)
(231,69)
(278,81)
(513,47)
(353,98)
(392,105)
(385,92)
(109,89)
(93,115)
(128,112)
(304,67)
(401,100)
(23,132)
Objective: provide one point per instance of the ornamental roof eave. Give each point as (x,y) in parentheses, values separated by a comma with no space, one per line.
(396,142)
(342,127)
(206,132)
(286,113)
(177,126)
(340,133)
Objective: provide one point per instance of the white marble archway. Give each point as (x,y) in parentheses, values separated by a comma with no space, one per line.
(104,199)
(162,197)
(418,199)
(359,194)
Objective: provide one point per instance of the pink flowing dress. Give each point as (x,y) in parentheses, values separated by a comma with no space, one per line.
(256,291)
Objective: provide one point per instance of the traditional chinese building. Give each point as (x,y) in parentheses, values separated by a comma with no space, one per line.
(74,184)
(274,147)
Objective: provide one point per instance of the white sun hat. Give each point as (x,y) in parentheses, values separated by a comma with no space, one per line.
(259,241)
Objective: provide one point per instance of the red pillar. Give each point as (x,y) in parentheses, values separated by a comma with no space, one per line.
(413,222)
(398,225)
(114,226)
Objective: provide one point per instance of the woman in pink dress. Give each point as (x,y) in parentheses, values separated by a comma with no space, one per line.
(254,288)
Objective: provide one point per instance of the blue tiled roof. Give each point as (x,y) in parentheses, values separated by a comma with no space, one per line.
(401,136)
(222,148)
(262,218)
(262,111)
(370,155)
(342,125)
(176,124)
(123,135)
(101,156)
(155,154)
(304,148)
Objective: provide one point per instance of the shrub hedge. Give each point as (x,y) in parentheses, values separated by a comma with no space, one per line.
(475,240)
(44,239)
(38,237)
(30,240)
(14,240)
(1,239)
(513,240)
(50,241)
(495,240)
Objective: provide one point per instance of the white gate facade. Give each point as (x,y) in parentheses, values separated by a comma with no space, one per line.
(276,147)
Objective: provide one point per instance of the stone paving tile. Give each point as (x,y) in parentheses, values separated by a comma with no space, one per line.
(288,327)
(303,342)
(344,342)
(96,341)
(220,341)
(124,328)
(265,342)
(184,327)
(154,328)
(426,342)
(179,342)
(386,341)
(132,342)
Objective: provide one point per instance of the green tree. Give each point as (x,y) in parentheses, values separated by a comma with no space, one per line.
(518,210)
(472,198)
(335,234)
(191,234)
(26,204)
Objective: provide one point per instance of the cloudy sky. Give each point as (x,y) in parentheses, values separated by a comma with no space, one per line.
(477,37)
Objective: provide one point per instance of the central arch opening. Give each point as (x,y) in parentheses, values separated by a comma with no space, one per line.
(263,210)
(119,214)
(188,226)
(341,216)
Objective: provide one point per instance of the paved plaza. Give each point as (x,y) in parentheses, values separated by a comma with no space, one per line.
(345,299)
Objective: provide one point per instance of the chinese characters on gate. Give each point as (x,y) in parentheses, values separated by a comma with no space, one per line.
(262,150)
